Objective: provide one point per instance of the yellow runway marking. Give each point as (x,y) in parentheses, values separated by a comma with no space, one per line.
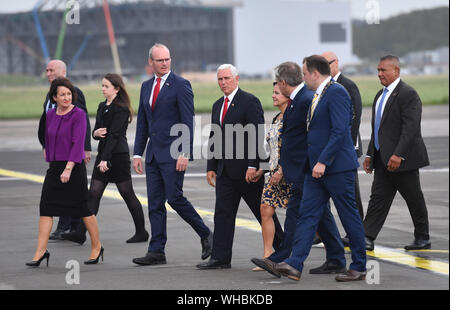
(398,256)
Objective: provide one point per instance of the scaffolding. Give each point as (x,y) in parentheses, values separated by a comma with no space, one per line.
(199,36)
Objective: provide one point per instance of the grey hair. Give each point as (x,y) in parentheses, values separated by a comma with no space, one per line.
(393,58)
(150,52)
(290,72)
(233,69)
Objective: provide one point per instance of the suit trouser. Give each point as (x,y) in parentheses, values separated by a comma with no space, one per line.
(359,205)
(68,223)
(165,183)
(228,196)
(315,215)
(384,188)
(290,223)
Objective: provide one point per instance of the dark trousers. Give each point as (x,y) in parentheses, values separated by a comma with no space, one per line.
(359,205)
(165,183)
(315,215)
(384,188)
(228,196)
(290,223)
(68,223)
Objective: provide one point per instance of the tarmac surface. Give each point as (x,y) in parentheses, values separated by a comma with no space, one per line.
(22,169)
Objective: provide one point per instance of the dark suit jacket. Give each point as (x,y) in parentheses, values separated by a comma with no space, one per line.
(174,107)
(355,96)
(81,103)
(245,109)
(294,146)
(400,130)
(329,137)
(115,119)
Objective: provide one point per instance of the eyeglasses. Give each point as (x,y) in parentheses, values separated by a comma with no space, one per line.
(330,62)
(160,61)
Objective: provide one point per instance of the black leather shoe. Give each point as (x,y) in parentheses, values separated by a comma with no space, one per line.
(74,237)
(346,241)
(267,265)
(288,271)
(328,268)
(207,246)
(213,264)
(151,258)
(56,235)
(139,237)
(370,245)
(419,244)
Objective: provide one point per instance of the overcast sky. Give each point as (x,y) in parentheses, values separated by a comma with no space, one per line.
(359,10)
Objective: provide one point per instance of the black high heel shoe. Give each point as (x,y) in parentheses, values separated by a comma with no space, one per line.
(95,261)
(37,263)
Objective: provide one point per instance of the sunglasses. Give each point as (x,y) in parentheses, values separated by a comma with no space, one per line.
(330,62)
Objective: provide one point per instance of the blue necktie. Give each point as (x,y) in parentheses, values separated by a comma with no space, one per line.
(378,118)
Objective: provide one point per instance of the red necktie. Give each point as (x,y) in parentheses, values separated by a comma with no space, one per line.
(156,92)
(225,109)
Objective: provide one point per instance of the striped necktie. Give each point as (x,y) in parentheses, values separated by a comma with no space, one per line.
(314,104)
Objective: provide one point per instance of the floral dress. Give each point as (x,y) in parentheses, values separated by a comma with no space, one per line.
(275,195)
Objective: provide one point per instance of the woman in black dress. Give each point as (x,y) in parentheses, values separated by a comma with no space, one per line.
(112,164)
(65,192)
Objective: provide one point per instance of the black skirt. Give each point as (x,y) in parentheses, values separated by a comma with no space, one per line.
(65,199)
(118,172)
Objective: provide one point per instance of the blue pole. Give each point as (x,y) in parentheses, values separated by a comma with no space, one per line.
(80,51)
(40,33)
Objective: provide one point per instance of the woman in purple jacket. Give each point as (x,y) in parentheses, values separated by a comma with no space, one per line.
(65,191)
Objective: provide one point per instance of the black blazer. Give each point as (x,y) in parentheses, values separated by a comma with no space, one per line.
(353,91)
(400,130)
(81,103)
(244,109)
(115,119)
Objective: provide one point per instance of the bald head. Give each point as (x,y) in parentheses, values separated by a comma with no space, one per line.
(333,60)
(55,69)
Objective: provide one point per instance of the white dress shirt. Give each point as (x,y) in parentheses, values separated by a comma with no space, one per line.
(391,88)
(230,99)
(296,90)
(161,84)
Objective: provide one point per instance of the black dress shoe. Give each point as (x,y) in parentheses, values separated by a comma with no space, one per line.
(419,244)
(267,265)
(370,245)
(151,258)
(346,241)
(139,237)
(328,268)
(56,235)
(74,237)
(207,246)
(288,271)
(213,264)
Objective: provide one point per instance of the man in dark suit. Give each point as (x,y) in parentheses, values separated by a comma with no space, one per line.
(166,102)
(332,158)
(355,96)
(293,153)
(231,173)
(57,68)
(396,151)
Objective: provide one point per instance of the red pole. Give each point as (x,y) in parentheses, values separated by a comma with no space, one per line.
(112,39)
